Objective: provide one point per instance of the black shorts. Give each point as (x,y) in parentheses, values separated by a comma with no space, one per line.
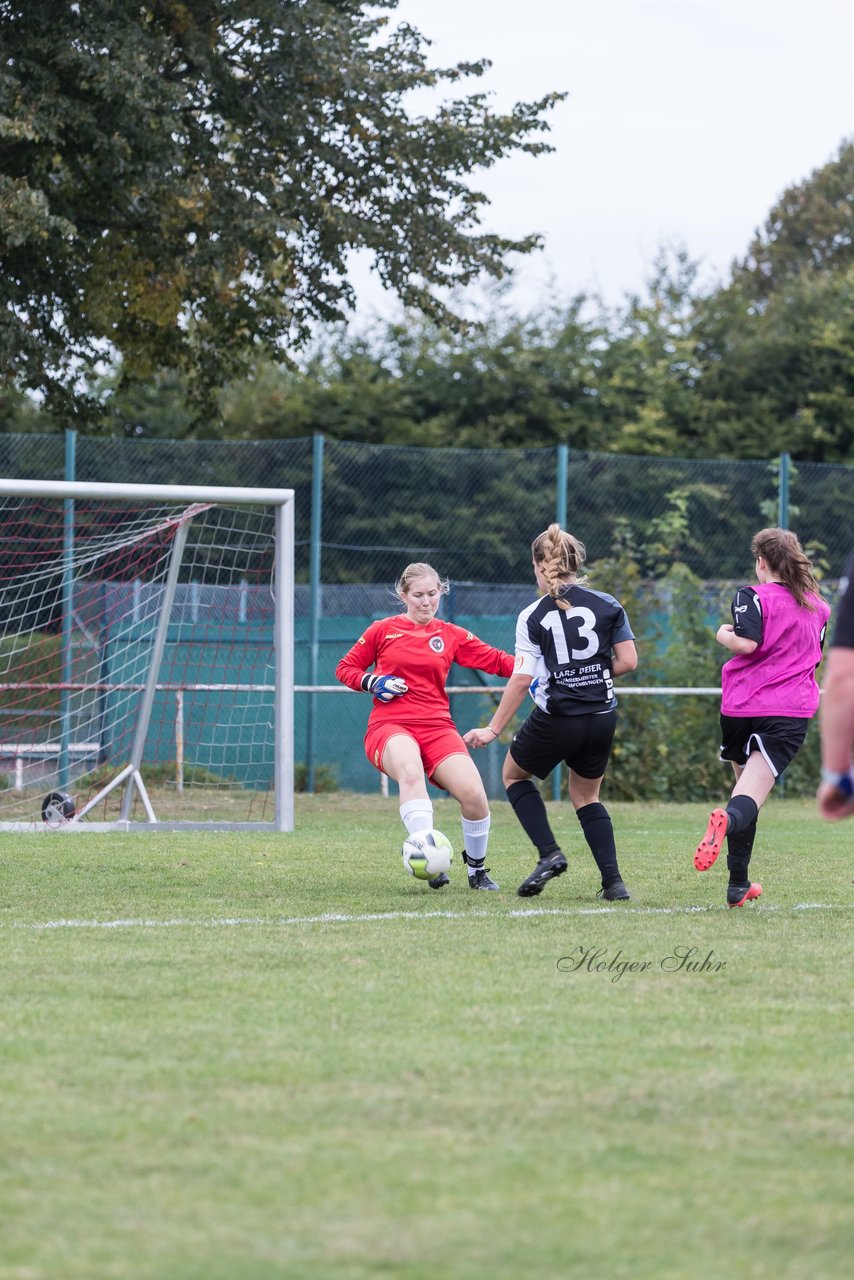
(582,742)
(779,738)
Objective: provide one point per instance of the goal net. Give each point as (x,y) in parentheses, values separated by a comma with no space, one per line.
(146,656)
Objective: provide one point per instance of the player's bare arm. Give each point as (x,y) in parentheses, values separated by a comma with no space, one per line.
(736,644)
(511,700)
(625,658)
(836,713)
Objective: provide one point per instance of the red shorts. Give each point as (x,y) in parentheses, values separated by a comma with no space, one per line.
(437,739)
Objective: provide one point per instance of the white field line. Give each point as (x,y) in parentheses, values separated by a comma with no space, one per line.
(285,922)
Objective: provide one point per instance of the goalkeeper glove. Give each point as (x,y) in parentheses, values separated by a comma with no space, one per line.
(384,688)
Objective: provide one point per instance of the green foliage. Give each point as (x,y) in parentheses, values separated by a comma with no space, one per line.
(673,373)
(762,365)
(38,658)
(513,381)
(325,778)
(161,773)
(779,377)
(648,374)
(807,231)
(570,374)
(20,414)
(665,748)
(776,344)
(182,183)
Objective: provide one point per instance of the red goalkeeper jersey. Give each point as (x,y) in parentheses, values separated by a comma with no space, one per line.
(422,656)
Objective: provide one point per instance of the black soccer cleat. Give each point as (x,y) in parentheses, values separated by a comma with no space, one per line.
(616,891)
(478,874)
(439,881)
(545,870)
(481,879)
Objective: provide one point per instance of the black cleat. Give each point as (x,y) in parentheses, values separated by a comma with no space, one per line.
(439,881)
(545,870)
(478,874)
(616,891)
(481,879)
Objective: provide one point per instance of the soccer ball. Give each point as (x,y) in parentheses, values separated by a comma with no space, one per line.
(427,854)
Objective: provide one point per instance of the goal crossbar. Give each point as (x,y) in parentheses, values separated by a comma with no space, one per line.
(71,489)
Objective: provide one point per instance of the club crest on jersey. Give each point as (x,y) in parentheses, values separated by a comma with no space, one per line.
(437,644)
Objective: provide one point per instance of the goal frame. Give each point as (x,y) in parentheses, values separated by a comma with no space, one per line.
(282,501)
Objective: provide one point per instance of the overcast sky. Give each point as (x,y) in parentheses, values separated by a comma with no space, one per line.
(685,121)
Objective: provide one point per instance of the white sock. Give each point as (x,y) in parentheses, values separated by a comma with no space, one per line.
(417,815)
(475,839)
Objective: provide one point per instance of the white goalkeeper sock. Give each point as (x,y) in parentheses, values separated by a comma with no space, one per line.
(417,815)
(475,838)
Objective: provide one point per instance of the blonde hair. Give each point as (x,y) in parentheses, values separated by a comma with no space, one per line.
(559,557)
(413,571)
(788,561)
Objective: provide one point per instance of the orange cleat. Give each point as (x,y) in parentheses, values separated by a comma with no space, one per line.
(710,845)
(738,894)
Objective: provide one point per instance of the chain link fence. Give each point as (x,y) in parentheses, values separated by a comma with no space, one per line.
(670,537)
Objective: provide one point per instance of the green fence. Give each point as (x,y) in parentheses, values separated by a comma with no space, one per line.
(668,536)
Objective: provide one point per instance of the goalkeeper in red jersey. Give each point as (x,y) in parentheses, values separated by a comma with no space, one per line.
(410,732)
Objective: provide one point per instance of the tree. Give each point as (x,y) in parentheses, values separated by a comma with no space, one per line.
(776,344)
(647,373)
(515,382)
(181,182)
(811,228)
(780,377)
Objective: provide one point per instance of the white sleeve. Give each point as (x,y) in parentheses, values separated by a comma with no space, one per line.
(529,656)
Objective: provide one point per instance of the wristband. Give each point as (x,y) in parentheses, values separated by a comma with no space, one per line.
(491,730)
(842,781)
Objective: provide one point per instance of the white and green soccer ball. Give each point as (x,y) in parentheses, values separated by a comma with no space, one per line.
(427,854)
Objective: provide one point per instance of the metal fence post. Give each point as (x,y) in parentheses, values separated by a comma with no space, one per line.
(314,605)
(783,492)
(562,473)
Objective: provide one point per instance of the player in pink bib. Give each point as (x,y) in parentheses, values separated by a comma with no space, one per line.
(769,694)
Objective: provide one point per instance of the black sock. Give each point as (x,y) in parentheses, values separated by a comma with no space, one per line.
(599,834)
(530,809)
(739,849)
(741,811)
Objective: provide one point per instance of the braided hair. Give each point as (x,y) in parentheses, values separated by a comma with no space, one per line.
(559,557)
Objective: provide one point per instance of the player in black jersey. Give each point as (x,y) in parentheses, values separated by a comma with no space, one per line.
(570,645)
(836,714)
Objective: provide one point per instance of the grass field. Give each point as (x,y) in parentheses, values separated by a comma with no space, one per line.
(245,1057)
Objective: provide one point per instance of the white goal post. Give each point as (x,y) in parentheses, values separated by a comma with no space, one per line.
(146,656)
